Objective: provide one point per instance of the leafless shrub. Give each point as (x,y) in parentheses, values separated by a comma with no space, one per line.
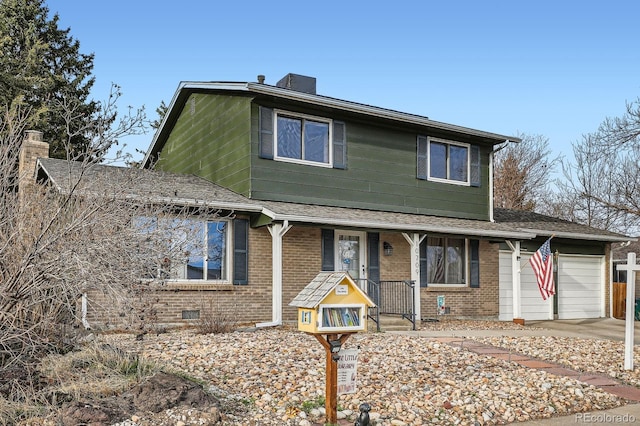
(217,318)
(62,240)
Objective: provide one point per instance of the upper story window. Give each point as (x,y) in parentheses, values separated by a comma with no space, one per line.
(303,139)
(447,161)
(195,249)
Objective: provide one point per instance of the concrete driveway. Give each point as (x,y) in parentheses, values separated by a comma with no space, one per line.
(598,328)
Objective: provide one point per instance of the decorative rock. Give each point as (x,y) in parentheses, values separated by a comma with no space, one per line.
(268,383)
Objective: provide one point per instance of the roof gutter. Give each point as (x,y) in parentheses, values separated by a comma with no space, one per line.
(579,236)
(401,227)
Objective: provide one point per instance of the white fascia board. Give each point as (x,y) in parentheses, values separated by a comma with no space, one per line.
(578,235)
(404,227)
(40,166)
(190,202)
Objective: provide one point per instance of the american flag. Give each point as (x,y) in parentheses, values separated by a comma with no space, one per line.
(542,264)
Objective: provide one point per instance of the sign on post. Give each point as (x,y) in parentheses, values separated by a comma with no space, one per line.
(347,371)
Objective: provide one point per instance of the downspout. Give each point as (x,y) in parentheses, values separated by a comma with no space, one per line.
(277,231)
(414,241)
(491,154)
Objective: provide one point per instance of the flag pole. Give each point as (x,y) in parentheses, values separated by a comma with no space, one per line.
(522,263)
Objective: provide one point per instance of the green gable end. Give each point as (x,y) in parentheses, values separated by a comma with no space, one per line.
(211,139)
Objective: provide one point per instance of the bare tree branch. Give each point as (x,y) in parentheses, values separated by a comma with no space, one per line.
(522,174)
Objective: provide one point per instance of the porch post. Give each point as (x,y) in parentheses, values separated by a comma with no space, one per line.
(515,278)
(631,267)
(414,241)
(277,231)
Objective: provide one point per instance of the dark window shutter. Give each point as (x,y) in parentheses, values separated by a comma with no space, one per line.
(423,263)
(475,165)
(339,145)
(327,250)
(373,245)
(423,148)
(241,251)
(266,133)
(474,264)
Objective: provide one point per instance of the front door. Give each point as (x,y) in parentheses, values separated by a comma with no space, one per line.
(351,254)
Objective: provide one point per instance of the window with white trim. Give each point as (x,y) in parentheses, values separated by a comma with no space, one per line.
(187,249)
(303,138)
(448,161)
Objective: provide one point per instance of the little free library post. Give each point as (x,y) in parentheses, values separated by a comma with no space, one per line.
(331,308)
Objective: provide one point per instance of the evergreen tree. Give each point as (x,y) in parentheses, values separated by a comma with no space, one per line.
(42,71)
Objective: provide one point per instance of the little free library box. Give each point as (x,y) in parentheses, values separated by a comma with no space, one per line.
(332,303)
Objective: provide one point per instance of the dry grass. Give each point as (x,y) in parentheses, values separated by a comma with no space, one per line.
(96,371)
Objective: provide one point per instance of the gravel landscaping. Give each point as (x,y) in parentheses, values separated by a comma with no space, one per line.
(277,376)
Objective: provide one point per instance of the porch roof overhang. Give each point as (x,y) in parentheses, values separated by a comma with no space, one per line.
(391,221)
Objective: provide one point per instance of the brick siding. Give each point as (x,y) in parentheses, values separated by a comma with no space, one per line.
(464,301)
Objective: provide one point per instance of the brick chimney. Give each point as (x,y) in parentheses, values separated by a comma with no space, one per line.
(33,147)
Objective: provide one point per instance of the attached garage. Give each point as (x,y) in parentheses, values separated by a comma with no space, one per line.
(582,274)
(580,284)
(581,287)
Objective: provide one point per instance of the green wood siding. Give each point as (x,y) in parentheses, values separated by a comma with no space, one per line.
(210,139)
(563,246)
(381,174)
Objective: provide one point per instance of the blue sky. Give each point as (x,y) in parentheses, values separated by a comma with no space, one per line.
(551,68)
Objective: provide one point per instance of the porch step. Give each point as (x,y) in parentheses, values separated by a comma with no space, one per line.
(391,323)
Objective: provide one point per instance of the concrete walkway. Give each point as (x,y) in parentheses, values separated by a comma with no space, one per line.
(602,328)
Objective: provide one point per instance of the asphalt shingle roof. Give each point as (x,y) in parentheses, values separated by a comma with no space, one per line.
(547,226)
(181,189)
(189,190)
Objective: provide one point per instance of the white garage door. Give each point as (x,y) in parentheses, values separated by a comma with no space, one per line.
(580,287)
(532,305)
